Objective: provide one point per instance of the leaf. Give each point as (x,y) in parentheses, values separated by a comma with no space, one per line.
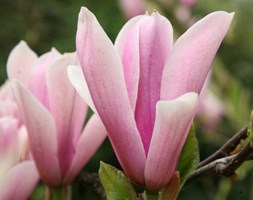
(116,184)
(189,158)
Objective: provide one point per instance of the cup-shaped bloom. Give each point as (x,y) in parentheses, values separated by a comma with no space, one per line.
(53,113)
(145,88)
(18,175)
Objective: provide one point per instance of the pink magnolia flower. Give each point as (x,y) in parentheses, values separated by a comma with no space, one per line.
(53,113)
(144,88)
(18,174)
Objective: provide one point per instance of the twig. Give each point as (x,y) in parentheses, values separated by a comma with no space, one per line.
(236,162)
(226,149)
(223,166)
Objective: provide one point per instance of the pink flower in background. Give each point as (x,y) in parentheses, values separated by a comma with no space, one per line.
(132,8)
(211,108)
(18,174)
(189,2)
(140,88)
(53,113)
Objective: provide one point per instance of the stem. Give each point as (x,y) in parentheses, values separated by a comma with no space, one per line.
(58,193)
(149,195)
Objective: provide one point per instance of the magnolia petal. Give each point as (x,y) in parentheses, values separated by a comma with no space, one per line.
(62,98)
(37,84)
(104,76)
(155,32)
(19,181)
(127,45)
(173,121)
(8,135)
(192,55)
(141,46)
(41,132)
(92,137)
(20,63)
(77,79)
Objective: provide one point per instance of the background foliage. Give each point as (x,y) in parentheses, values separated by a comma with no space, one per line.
(52,23)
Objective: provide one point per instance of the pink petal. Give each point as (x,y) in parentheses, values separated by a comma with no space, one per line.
(19,181)
(42,134)
(192,55)
(92,137)
(154,46)
(66,107)
(20,62)
(104,75)
(8,135)
(173,120)
(127,44)
(37,84)
(77,79)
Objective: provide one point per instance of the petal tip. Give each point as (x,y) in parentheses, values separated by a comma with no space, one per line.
(83,14)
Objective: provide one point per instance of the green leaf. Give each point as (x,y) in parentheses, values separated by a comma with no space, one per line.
(189,158)
(116,183)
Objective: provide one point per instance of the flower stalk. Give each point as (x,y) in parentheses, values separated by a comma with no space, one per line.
(58,193)
(150,195)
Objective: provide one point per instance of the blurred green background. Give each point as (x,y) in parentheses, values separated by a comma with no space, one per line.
(52,23)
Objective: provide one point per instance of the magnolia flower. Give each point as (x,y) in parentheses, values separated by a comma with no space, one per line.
(145,87)
(53,113)
(18,174)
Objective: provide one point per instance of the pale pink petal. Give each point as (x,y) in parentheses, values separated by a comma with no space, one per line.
(9,151)
(24,149)
(8,108)
(20,62)
(93,135)
(77,79)
(42,134)
(154,47)
(192,55)
(19,182)
(5,91)
(66,107)
(104,76)
(37,84)
(173,120)
(9,135)
(127,45)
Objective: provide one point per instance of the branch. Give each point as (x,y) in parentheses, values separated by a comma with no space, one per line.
(226,149)
(224,166)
